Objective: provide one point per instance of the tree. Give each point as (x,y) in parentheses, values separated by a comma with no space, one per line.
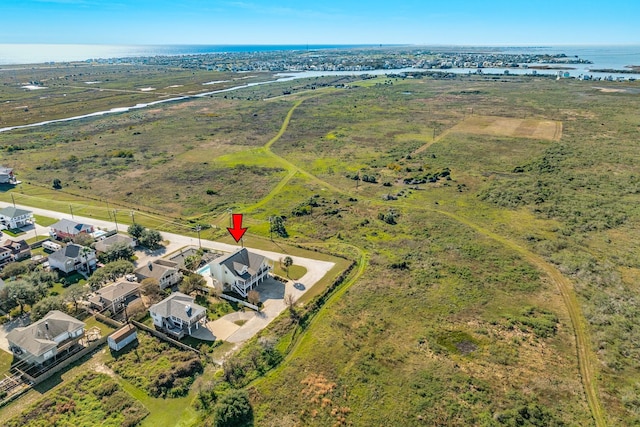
(84,252)
(288,262)
(290,301)
(277,226)
(41,281)
(74,295)
(119,250)
(192,262)
(253,297)
(22,293)
(83,239)
(150,287)
(233,409)
(192,283)
(110,272)
(150,239)
(42,307)
(57,184)
(136,230)
(15,269)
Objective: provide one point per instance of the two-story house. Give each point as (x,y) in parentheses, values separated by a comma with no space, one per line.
(72,258)
(165,272)
(19,249)
(114,297)
(43,340)
(68,229)
(12,217)
(178,314)
(240,271)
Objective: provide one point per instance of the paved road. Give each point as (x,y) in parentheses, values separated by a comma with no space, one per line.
(272,292)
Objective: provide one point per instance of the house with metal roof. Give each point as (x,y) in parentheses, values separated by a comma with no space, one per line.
(178,315)
(12,217)
(240,271)
(73,257)
(68,229)
(43,340)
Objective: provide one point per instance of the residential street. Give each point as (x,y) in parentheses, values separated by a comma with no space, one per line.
(272,292)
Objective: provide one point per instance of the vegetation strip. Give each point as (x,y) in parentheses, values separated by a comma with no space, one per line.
(565,288)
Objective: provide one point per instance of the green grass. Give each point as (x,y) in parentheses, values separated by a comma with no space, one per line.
(517,223)
(89,400)
(44,221)
(5,362)
(156,367)
(294,272)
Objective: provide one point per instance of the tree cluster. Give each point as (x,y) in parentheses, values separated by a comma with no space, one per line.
(148,238)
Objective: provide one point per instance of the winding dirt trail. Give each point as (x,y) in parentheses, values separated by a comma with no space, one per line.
(585,357)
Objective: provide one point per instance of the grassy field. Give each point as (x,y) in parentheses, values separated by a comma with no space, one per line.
(89,400)
(495,221)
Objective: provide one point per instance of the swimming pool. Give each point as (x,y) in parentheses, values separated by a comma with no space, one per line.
(206,270)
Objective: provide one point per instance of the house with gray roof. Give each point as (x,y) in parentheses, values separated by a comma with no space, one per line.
(68,229)
(114,297)
(105,244)
(12,217)
(240,271)
(43,340)
(164,271)
(178,315)
(72,258)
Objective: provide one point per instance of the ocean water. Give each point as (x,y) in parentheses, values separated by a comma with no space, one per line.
(13,54)
(609,57)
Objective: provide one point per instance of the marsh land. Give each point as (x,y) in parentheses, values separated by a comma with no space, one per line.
(488,227)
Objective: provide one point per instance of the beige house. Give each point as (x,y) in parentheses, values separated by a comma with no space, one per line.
(43,340)
(165,272)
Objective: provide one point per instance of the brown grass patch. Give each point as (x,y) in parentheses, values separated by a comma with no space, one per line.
(549,130)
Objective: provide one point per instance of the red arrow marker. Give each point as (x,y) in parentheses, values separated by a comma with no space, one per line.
(237,231)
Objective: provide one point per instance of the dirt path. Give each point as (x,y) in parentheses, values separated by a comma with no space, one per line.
(585,358)
(565,287)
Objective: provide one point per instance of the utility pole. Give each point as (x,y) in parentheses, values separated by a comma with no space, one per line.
(133,217)
(230,212)
(198,228)
(13,200)
(115,218)
(71,209)
(271,228)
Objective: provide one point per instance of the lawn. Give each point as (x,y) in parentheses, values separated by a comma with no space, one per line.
(5,362)
(44,221)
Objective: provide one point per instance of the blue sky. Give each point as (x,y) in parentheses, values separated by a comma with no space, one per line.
(533,22)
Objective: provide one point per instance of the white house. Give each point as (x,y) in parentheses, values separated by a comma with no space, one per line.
(7,176)
(44,339)
(240,271)
(178,314)
(12,217)
(73,257)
